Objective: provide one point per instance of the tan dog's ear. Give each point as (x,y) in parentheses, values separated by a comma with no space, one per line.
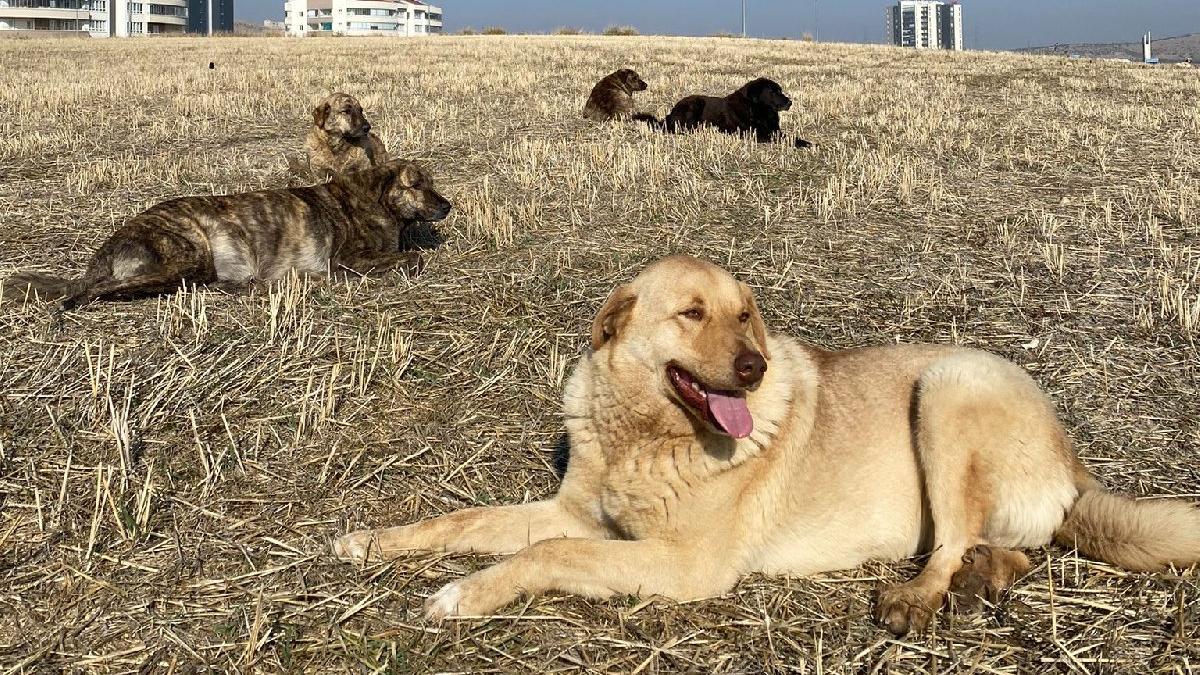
(320,114)
(612,316)
(757,326)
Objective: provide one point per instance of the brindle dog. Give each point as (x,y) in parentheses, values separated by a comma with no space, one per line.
(612,97)
(340,139)
(752,109)
(352,223)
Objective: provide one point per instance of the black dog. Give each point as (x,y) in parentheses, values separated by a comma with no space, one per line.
(753,108)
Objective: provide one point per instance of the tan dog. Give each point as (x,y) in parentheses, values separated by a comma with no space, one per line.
(354,222)
(693,464)
(612,97)
(340,139)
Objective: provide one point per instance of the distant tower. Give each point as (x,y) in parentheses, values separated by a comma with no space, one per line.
(926,24)
(1147,52)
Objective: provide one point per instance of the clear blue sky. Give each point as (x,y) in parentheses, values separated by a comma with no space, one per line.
(990,24)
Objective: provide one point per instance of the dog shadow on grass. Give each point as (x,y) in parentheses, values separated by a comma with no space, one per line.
(421,236)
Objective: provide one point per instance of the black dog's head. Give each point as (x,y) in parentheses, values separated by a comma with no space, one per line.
(767,93)
(631,80)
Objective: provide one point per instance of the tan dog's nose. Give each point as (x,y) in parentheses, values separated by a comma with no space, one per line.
(750,367)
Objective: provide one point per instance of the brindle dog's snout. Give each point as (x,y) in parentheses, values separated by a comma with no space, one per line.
(750,367)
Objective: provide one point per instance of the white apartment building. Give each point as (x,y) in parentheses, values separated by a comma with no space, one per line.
(97,18)
(394,18)
(926,24)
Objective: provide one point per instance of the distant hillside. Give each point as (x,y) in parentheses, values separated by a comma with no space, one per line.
(1167,50)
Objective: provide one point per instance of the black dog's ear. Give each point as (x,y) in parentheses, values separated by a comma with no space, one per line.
(756,88)
(320,114)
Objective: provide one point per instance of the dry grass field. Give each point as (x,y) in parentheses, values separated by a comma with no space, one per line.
(172,471)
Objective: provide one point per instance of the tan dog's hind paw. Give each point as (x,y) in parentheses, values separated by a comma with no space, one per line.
(985,573)
(906,607)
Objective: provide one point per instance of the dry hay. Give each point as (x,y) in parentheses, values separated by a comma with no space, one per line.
(171,471)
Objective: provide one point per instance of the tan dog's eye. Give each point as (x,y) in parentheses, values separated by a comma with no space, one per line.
(745,316)
(695,314)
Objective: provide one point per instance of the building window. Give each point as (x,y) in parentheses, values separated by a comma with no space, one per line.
(169,10)
(47,4)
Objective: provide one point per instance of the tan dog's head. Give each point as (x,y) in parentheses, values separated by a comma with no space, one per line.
(695,334)
(341,115)
(409,195)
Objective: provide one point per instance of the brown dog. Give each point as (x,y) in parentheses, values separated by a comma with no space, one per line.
(753,109)
(354,222)
(612,97)
(340,139)
(704,448)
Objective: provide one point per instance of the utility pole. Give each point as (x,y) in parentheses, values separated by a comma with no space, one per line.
(816,22)
(743,18)
(210,18)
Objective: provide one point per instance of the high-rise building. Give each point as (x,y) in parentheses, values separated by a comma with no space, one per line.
(393,18)
(222,16)
(97,18)
(926,24)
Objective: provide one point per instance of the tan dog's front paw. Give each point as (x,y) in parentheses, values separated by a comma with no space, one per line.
(906,607)
(354,547)
(472,596)
(445,603)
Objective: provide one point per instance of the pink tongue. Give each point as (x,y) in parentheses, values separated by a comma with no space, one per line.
(731,413)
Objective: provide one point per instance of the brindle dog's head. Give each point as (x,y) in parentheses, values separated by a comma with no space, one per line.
(766,93)
(409,195)
(688,330)
(341,115)
(630,80)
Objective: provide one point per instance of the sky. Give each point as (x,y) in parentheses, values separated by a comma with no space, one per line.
(988,24)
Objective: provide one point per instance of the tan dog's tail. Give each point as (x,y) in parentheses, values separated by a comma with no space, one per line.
(1144,536)
(24,285)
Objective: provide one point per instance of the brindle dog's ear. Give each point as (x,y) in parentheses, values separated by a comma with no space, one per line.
(386,176)
(613,316)
(320,114)
(410,175)
(757,326)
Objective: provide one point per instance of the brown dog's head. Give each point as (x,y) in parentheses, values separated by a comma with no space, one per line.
(341,115)
(766,93)
(410,195)
(689,326)
(630,80)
